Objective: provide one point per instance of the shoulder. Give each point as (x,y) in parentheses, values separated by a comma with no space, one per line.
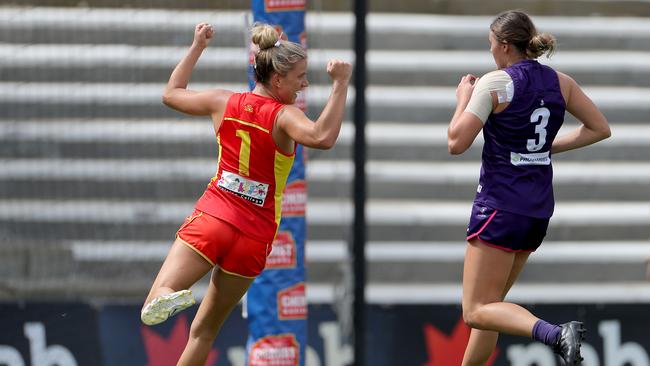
(221,94)
(564,78)
(289,112)
(496,75)
(567,84)
(217,99)
(494,80)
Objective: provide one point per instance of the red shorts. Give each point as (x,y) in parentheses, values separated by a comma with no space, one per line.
(222,244)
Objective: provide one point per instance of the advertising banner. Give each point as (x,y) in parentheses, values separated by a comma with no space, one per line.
(125,341)
(419,335)
(435,335)
(48,335)
(276,303)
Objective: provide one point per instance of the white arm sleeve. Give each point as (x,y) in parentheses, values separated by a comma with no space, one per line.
(480,103)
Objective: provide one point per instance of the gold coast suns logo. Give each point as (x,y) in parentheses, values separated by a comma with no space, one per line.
(284,5)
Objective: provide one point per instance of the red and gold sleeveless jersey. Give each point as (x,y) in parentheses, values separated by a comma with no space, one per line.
(252,171)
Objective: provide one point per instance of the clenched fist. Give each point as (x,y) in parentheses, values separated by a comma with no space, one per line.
(339,70)
(203,33)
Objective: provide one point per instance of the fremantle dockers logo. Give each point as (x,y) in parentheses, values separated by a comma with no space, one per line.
(284,5)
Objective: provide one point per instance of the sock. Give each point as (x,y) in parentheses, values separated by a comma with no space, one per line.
(546,333)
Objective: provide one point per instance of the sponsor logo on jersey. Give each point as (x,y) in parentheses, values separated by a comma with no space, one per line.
(294,199)
(247,189)
(292,303)
(530,159)
(276,350)
(283,252)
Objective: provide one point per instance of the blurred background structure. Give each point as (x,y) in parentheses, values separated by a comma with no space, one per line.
(97,174)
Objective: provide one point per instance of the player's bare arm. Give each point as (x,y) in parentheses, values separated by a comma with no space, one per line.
(176,94)
(322,133)
(464,126)
(594,126)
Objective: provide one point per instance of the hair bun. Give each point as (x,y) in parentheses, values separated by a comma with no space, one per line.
(264,36)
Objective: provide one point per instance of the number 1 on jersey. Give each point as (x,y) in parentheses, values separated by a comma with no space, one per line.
(244,152)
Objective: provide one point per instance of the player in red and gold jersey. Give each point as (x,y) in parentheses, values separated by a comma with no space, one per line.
(237,217)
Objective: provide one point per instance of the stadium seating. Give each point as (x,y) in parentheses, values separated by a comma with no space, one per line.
(97,174)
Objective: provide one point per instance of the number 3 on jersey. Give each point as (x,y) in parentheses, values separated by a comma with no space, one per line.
(244,152)
(540,129)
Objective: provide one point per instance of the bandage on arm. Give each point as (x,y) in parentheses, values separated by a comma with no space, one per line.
(480,103)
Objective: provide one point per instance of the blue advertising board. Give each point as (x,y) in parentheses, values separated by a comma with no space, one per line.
(422,335)
(276,303)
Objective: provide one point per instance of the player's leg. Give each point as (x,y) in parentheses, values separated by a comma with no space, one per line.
(192,255)
(242,261)
(170,292)
(224,292)
(481,343)
(485,278)
(182,268)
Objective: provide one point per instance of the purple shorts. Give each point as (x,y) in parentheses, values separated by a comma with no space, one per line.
(506,230)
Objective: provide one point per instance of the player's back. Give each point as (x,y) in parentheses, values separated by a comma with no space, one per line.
(516,173)
(252,170)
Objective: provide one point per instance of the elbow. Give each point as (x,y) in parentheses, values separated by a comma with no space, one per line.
(326,146)
(455,144)
(325,143)
(167,98)
(606,133)
(455,148)
(323,140)
(170,96)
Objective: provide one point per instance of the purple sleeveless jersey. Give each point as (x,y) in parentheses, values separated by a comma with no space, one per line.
(516,171)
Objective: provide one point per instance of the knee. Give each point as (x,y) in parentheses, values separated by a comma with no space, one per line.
(202,332)
(472,316)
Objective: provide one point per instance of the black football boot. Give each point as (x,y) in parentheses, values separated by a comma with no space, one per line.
(568,346)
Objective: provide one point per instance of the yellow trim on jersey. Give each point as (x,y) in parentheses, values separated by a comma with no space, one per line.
(196,250)
(219,145)
(282,168)
(236,274)
(246,123)
(214,178)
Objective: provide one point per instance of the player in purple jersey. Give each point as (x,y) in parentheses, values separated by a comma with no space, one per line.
(520,108)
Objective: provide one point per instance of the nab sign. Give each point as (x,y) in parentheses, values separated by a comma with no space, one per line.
(48,335)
